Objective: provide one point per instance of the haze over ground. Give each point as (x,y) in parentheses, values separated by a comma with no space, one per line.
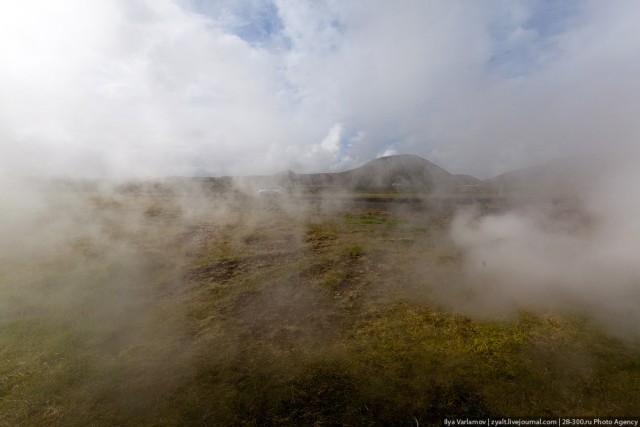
(137,88)
(124,89)
(394,292)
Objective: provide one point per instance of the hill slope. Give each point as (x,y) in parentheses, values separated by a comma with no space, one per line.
(401,171)
(570,175)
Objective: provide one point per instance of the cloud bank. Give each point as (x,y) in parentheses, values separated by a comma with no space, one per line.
(187,87)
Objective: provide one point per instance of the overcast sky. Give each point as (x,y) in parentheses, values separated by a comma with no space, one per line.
(159,87)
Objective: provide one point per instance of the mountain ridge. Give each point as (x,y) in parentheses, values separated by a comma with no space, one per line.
(412,172)
(397,171)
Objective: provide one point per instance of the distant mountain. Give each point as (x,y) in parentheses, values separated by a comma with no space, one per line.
(399,171)
(561,177)
(468,179)
(566,175)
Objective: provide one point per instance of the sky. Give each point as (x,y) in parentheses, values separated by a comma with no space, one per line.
(136,88)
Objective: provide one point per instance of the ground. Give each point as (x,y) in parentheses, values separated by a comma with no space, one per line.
(159,308)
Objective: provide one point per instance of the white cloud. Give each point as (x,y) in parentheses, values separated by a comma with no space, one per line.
(140,87)
(387,152)
(329,152)
(331,143)
(154,89)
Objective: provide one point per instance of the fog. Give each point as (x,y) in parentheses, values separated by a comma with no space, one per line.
(135,288)
(573,255)
(96,95)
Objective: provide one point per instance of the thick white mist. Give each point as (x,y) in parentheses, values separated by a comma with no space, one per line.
(581,259)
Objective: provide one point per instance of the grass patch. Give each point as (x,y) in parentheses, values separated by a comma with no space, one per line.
(333,279)
(354,251)
(277,320)
(321,235)
(371,218)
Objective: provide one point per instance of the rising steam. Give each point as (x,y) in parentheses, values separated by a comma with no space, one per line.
(548,256)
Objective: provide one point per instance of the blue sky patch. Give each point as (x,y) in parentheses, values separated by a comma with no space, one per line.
(255,21)
(515,57)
